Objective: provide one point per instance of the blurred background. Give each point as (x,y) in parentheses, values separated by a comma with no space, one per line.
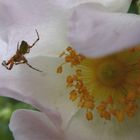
(8,106)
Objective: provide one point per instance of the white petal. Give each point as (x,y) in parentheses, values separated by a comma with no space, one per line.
(33,125)
(113,5)
(3,48)
(27,12)
(95,32)
(52,114)
(99,129)
(19,19)
(48,88)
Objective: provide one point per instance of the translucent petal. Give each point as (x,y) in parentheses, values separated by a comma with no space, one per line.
(48,88)
(33,125)
(99,129)
(98,32)
(19,19)
(3,48)
(113,5)
(51,113)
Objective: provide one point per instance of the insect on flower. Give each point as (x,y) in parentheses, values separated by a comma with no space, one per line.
(19,57)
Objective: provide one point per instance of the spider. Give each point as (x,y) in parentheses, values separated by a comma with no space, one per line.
(19,57)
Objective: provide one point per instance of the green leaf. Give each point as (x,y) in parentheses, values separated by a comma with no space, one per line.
(134,7)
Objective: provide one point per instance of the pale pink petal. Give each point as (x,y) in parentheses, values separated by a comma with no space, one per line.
(19,19)
(33,125)
(27,12)
(48,110)
(96,32)
(99,129)
(113,5)
(48,88)
(3,48)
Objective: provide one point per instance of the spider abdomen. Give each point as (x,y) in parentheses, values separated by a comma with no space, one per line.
(24,47)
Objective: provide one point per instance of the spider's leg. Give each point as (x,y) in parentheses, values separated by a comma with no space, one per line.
(33,67)
(4,63)
(35,40)
(11,62)
(11,65)
(22,61)
(17,46)
(26,61)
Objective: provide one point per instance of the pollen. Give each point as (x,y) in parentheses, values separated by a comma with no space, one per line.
(108,87)
(89,115)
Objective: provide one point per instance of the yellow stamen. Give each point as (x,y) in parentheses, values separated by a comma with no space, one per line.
(89,115)
(62,54)
(73,95)
(120,115)
(59,69)
(106,115)
(109,85)
(89,104)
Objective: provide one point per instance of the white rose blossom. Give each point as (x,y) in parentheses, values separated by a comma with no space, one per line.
(94,30)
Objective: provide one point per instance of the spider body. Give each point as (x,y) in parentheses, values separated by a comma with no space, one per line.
(19,57)
(24,48)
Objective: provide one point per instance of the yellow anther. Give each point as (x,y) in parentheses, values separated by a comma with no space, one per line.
(89,115)
(59,69)
(79,85)
(110,100)
(113,112)
(73,95)
(131,96)
(75,78)
(62,54)
(68,58)
(135,48)
(122,100)
(101,107)
(106,115)
(131,108)
(69,48)
(81,104)
(89,97)
(89,104)
(72,57)
(73,54)
(78,72)
(70,80)
(130,114)
(84,90)
(132,50)
(120,115)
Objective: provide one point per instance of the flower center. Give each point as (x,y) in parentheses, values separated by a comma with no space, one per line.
(109,85)
(110,73)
